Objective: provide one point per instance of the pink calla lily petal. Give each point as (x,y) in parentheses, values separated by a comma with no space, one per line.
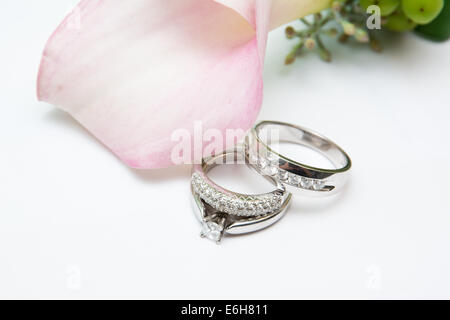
(132,72)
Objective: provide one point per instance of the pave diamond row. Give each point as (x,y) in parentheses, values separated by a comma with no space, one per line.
(237,204)
(268,165)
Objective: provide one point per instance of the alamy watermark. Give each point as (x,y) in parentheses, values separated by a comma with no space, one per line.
(374,19)
(73,277)
(191,146)
(374,278)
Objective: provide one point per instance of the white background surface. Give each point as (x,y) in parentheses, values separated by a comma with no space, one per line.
(77,223)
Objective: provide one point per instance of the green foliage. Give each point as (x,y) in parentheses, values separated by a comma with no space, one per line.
(347,20)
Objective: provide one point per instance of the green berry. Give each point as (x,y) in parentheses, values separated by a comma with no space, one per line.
(439,28)
(399,22)
(422,11)
(386,6)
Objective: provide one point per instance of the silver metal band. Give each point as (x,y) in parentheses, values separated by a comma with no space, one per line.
(293,174)
(224,211)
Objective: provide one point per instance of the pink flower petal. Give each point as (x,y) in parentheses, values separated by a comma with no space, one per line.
(132,72)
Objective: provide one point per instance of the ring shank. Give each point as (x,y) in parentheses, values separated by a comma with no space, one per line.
(301,136)
(235,157)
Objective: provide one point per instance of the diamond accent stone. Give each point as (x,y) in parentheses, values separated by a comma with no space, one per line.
(293,179)
(224,202)
(306,183)
(262,163)
(240,205)
(283,175)
(260,206)
(215,195)
(318,184)
(271,157)
(271,170)
(211,231)
(250,205)
(207,192)
(277,200)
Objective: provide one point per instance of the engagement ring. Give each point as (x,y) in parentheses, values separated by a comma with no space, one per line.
(223,211)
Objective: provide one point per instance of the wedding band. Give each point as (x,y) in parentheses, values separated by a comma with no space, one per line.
(294,174)
(223,211)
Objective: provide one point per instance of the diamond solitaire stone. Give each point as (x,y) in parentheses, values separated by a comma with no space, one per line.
(211,231)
